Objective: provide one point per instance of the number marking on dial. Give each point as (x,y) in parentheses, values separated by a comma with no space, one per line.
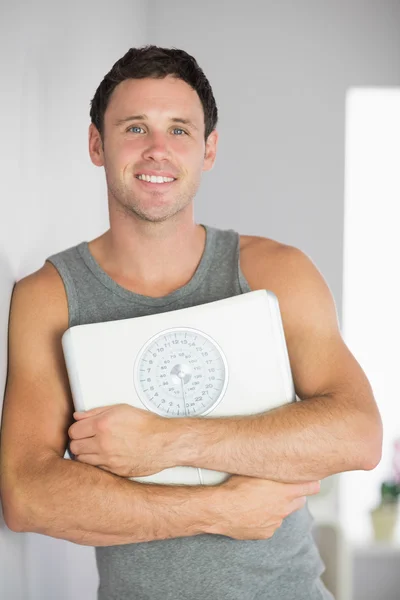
(186,373)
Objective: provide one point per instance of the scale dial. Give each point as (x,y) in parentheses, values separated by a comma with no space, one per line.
(181,372)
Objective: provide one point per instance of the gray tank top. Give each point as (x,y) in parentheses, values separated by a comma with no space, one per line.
(286,566)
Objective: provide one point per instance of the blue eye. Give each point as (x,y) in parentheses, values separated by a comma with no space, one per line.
(138,127)
(134,127)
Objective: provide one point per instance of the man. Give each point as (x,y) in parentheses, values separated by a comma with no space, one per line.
(153,129)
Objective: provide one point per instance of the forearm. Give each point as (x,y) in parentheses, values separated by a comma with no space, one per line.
(303,441)
(86,505)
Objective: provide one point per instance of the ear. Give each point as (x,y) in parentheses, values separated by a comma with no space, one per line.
(95,146)
(210,151)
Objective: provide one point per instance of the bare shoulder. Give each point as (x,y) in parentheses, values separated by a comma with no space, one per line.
(45,282)
(256,242)
(268,262)
(39,309)
(302,291)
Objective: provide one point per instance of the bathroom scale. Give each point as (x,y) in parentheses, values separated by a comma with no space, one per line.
(223,358)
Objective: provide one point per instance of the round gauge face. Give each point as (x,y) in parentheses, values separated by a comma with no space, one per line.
(181,372)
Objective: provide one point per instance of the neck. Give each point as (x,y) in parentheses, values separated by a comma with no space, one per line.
(151,256)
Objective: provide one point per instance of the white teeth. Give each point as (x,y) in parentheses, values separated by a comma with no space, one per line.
(155,179)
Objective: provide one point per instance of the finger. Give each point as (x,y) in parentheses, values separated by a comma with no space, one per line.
(84,446)
(310,488)
(297,503)
(90,413)
(82,429)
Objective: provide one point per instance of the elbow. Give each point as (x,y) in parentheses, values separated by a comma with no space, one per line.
(17,505)
(372,457)
(11,513)
(372,446)
(371,461)
(13,522)
(20,517)
(23,500)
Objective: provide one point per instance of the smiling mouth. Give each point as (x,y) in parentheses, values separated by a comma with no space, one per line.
(153,180)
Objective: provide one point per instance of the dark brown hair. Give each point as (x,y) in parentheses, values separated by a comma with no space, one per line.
(155,62)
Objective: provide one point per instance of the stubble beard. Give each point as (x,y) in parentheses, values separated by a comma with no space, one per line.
(129,204)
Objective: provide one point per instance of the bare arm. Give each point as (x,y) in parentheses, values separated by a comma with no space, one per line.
(336,427)
(41,492)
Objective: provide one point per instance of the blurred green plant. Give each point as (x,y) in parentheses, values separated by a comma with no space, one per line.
(390,492)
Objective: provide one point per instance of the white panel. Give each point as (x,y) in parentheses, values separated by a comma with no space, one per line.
(371,319)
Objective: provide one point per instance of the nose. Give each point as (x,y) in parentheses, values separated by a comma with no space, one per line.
(157,147)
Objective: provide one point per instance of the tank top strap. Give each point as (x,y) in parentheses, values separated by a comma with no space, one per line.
(93,296)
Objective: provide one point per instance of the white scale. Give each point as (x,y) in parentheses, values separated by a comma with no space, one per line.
(223,358)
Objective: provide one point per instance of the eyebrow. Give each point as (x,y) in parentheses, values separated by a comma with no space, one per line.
(144,117)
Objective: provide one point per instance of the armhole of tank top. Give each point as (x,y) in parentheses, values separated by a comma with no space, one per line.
(70,289)
(243,283)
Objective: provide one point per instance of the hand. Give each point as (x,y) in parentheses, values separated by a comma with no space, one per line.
(122,439)
(253,509)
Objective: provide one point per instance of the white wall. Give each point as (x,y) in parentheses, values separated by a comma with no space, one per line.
(54,55)
(279,73)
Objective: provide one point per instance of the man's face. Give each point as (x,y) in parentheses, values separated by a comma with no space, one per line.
(144,134)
